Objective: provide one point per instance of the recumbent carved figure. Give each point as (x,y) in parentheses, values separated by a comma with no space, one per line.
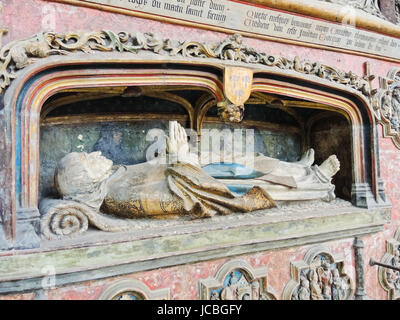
(183,187)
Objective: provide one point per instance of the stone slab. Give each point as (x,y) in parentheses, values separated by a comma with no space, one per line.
(84,258)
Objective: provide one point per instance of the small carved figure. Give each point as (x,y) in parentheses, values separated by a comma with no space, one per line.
(387,104)
(304,289)
(26,51)
(338,286)
(393,276)
(231,291)
(315,288)
(229,49)
(230,112)
(255,290)
(325,277)
(214,295)
(395,119)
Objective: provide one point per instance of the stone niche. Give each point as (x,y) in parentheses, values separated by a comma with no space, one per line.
(129,125)
(127,129)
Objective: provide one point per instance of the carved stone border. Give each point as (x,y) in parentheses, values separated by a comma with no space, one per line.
(216,282)
(126,286)
(19,54)
(297,267)
(391,246)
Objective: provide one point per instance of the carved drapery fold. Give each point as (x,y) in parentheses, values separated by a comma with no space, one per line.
(63,218)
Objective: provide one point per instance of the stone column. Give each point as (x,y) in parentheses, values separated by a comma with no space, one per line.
(358,246)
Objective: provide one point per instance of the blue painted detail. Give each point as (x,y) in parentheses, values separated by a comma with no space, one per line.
(238,189)
(231,279)
(224,170)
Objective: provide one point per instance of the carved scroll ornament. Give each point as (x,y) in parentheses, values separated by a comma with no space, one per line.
(18,54)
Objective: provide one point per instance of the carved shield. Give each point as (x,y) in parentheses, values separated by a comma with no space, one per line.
(237,84)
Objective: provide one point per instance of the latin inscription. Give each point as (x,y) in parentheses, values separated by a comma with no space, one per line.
(253,19)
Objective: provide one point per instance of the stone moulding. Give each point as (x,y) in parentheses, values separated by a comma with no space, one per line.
(131,289)
(390,279)
(249,282)
(310,270)
(18,54)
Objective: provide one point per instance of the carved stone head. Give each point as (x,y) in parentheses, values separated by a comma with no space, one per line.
(231,112)
(80,172)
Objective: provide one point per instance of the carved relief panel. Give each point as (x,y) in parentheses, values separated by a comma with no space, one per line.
(133,290)
(237,280)
(386,104)
(389,278)
(319,276)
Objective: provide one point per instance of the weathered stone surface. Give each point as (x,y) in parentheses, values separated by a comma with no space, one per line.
(186,243)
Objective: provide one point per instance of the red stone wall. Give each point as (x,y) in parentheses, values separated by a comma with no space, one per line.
(25,18)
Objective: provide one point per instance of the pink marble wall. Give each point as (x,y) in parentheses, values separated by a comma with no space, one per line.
(183,281)
(25,18)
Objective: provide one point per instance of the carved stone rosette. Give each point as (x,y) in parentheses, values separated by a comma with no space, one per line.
(132,290)
(386,104)
(389,278)
(237,280)
(319,276)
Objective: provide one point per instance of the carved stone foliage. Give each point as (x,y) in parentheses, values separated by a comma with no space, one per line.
(319,276)
(237,280)
(389,278)
(18,54)
(132,290)
(386,104)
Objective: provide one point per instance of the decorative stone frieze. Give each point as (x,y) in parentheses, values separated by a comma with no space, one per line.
(319,276)
(18,54)
(237,280)
(133,290)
